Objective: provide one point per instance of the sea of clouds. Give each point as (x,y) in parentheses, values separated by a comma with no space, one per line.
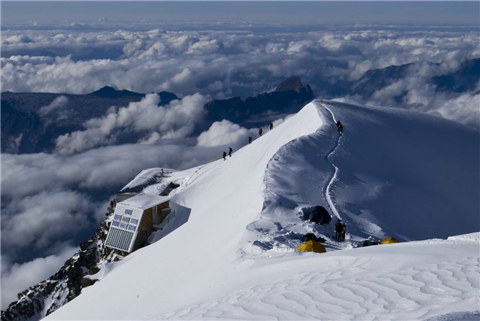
(52,201)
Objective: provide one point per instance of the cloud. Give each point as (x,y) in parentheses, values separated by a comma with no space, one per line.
(224,133)
(233,62)
(35,221)
(227,134)
(105,167)
(189,61)
(173,121)
(19,277)
(57,108)
(57,103)
(228,63)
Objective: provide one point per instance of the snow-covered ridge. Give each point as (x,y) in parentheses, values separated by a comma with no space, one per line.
(393,173)
(210,268)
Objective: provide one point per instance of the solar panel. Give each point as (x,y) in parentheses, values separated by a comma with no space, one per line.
(119,239)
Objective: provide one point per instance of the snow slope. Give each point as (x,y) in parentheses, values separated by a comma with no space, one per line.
(407,281)
(393,173)
(209,267)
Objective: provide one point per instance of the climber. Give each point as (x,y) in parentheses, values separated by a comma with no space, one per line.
(230,150)
(249,139)
(340,127)
(224,155)
(271,126)
(260,131)
(339,230)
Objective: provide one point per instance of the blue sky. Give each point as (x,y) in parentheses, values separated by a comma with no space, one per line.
(356,12)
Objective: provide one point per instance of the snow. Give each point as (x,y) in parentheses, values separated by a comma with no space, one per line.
(393,173)
(396,282)
(143,201)
(146,176)
(229,254)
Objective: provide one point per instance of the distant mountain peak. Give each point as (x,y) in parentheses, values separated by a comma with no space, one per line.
(292,83)
(104,90)
(107,91)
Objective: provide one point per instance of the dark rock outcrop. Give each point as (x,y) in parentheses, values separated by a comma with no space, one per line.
(464,79)
(289,97)
(47,296)
(110,92)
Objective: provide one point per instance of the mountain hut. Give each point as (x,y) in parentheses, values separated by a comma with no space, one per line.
(134,220)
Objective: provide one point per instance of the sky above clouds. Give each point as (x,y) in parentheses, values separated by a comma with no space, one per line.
(199,51)
(331,12)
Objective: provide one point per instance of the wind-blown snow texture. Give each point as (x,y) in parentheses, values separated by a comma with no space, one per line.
(397,170)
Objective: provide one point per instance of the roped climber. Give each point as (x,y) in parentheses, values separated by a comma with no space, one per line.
(339,231)
(260,131)
(224,155)
(230,150)
(249,139)
(340,127)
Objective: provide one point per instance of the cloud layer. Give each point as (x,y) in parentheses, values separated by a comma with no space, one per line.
(229,63)
(174,121)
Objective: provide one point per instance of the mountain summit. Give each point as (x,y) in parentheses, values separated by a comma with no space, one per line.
(287,98)
(111,92)
(293,84)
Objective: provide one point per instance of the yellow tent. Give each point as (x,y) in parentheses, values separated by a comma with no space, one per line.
(312,246)
(389,240)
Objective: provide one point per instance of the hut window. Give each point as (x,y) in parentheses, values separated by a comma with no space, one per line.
(115,223)
(126,219)
(131,227)
(118,217)
(123,225)
(129,212)
(134,221)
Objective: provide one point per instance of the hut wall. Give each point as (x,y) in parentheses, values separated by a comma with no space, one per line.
(146,224)
(161,207)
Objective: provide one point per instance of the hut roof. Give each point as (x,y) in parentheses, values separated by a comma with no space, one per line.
(143,201)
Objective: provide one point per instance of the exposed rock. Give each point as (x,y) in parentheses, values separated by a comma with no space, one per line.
(65,285)
(289,97)
(293,84)
(87,282)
